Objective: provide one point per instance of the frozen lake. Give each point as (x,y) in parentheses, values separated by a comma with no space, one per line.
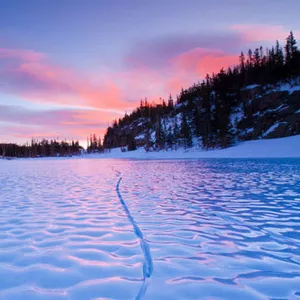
(216,229)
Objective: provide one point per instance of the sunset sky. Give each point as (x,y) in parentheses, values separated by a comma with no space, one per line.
(69,67)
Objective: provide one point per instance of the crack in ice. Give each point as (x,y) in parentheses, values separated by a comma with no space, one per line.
(147,264)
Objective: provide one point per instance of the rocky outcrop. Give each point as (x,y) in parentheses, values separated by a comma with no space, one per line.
(269,114)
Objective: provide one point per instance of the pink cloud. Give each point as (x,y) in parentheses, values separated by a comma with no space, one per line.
(64,86)
(37,80)
(154,70)
(261,32)
(213,64)
(24,123)
(195,64)
(25,55)
(119,90)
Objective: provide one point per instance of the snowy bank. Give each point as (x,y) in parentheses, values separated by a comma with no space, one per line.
(269,148)
(288,147)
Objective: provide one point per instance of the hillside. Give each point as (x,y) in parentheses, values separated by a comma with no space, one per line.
(287,147)
(264,112)
(257,99)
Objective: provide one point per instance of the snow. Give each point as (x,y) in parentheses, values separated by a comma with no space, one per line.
(141,136)
(281,107)
(291,86)
(287,147)
(71,229)
(271,129)
(251,87)
(269,111)
(152,136)
(248,130)
(288,88)
(268,148)
(236,116)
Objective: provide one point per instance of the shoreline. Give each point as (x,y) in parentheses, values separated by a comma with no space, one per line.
(288,147)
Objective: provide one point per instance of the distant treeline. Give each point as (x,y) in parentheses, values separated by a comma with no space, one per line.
(94,144)
(43,148)
(205,108)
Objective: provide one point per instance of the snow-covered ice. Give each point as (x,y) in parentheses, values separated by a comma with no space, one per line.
(216,229)
(266,148)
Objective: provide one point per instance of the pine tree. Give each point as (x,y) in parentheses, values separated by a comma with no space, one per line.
(279,58)
(196,119)
(242,62)
(176,132)
(160,135)
(170,138)
(147,140)
(293,44)
(250,59)
(170,103)
(290,48)
(131,146)
(256,58)
(186,132)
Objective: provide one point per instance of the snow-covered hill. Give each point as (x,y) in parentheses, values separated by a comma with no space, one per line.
(288,147)
(257,112)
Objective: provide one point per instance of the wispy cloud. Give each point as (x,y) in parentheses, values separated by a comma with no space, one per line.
(152,68)
(33,77)
(23,55)
(159,52)
(252,33)
(60,122)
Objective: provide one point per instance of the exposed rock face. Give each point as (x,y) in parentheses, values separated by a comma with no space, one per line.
(269,114)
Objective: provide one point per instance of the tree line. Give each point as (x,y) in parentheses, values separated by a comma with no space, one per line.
(43,148)
(204,109)
(94,144)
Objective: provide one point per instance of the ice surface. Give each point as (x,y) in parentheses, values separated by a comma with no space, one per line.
(217,229)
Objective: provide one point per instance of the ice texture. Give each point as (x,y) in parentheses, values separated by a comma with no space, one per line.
(215,228)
